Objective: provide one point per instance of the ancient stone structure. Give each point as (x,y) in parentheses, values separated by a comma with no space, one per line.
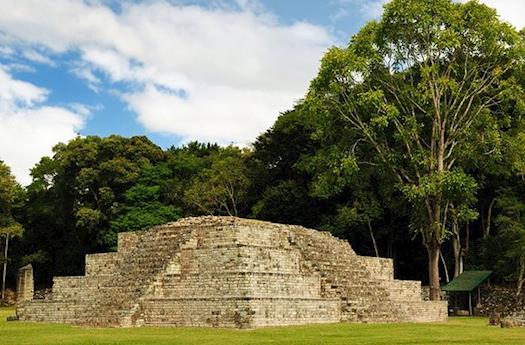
(24,284)
(231,272)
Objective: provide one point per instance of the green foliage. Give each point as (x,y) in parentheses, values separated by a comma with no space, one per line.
(280,181)
(9,192)
(417,91)
(511,235)
(77,194)
(333,170)
(427,93)
(221,188)
(416,124)
(92,188)
(144,208)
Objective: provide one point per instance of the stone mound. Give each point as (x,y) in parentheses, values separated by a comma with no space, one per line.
(502,300)
(231,272)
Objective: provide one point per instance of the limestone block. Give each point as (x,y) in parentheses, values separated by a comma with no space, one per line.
(25,284)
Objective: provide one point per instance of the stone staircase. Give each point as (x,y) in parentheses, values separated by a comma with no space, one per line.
(230,272)
(365,285)
(137,271)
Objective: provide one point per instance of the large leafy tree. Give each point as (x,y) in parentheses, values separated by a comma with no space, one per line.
(280,188)
(221,188)
(148,202)
(295,179)
(419,93)
(79,193)
(9,227)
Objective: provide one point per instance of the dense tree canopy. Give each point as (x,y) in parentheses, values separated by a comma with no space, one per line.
(9,227)
(410,143)
(92,188)
(424,92)
(220,188)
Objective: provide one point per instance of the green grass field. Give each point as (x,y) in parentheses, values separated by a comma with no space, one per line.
(457,331)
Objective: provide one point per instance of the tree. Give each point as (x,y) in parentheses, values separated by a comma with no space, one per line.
(221,188)
(77,194)
(9,228)
(146,204)
(423,90)
(92,188)
(280,188)
(510,206)
(511,225)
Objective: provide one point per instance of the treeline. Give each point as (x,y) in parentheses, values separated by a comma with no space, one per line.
(92,188)
(410,143)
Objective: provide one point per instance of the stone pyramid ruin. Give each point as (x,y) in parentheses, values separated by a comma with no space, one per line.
(230,272)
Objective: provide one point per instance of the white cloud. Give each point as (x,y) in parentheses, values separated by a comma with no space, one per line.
(6,51)
(19,67)
(368,9)
(210,113)
(510,10)
(15,93)
(373,9)
(239,68)
(29,129)
(35,56)
(86,73)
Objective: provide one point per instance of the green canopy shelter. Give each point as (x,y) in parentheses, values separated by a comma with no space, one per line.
(466,283)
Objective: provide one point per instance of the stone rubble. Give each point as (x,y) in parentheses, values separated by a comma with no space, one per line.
(502,300)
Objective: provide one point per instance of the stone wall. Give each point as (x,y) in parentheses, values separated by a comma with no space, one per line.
(230,272)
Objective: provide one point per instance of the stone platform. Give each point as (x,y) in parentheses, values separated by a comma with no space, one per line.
(231,272)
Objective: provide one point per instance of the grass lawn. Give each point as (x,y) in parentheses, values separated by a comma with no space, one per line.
(457,331)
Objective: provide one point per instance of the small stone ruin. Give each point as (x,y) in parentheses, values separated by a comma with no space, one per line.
(229,272)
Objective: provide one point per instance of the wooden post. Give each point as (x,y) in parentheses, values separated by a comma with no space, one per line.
(470,302)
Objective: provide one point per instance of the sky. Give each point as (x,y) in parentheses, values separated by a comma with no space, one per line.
(174,70)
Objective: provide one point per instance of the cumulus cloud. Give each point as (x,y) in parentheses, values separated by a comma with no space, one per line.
(509,10)
(28,128)
(368,9)
(218,73)
(211,114)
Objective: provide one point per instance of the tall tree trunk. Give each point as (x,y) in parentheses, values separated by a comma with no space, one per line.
(437,218)
(5,264)
(373,238)
(433,246)
(445,268)
(433,250)
(465,248)
(457,250)
(486,229)
(521,276)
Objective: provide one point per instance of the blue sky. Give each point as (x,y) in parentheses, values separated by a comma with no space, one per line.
(110,115)
(179,70)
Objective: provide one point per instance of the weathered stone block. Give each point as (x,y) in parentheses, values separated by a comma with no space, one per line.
(24,284)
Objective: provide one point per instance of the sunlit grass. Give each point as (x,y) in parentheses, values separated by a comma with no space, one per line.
(458,331)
